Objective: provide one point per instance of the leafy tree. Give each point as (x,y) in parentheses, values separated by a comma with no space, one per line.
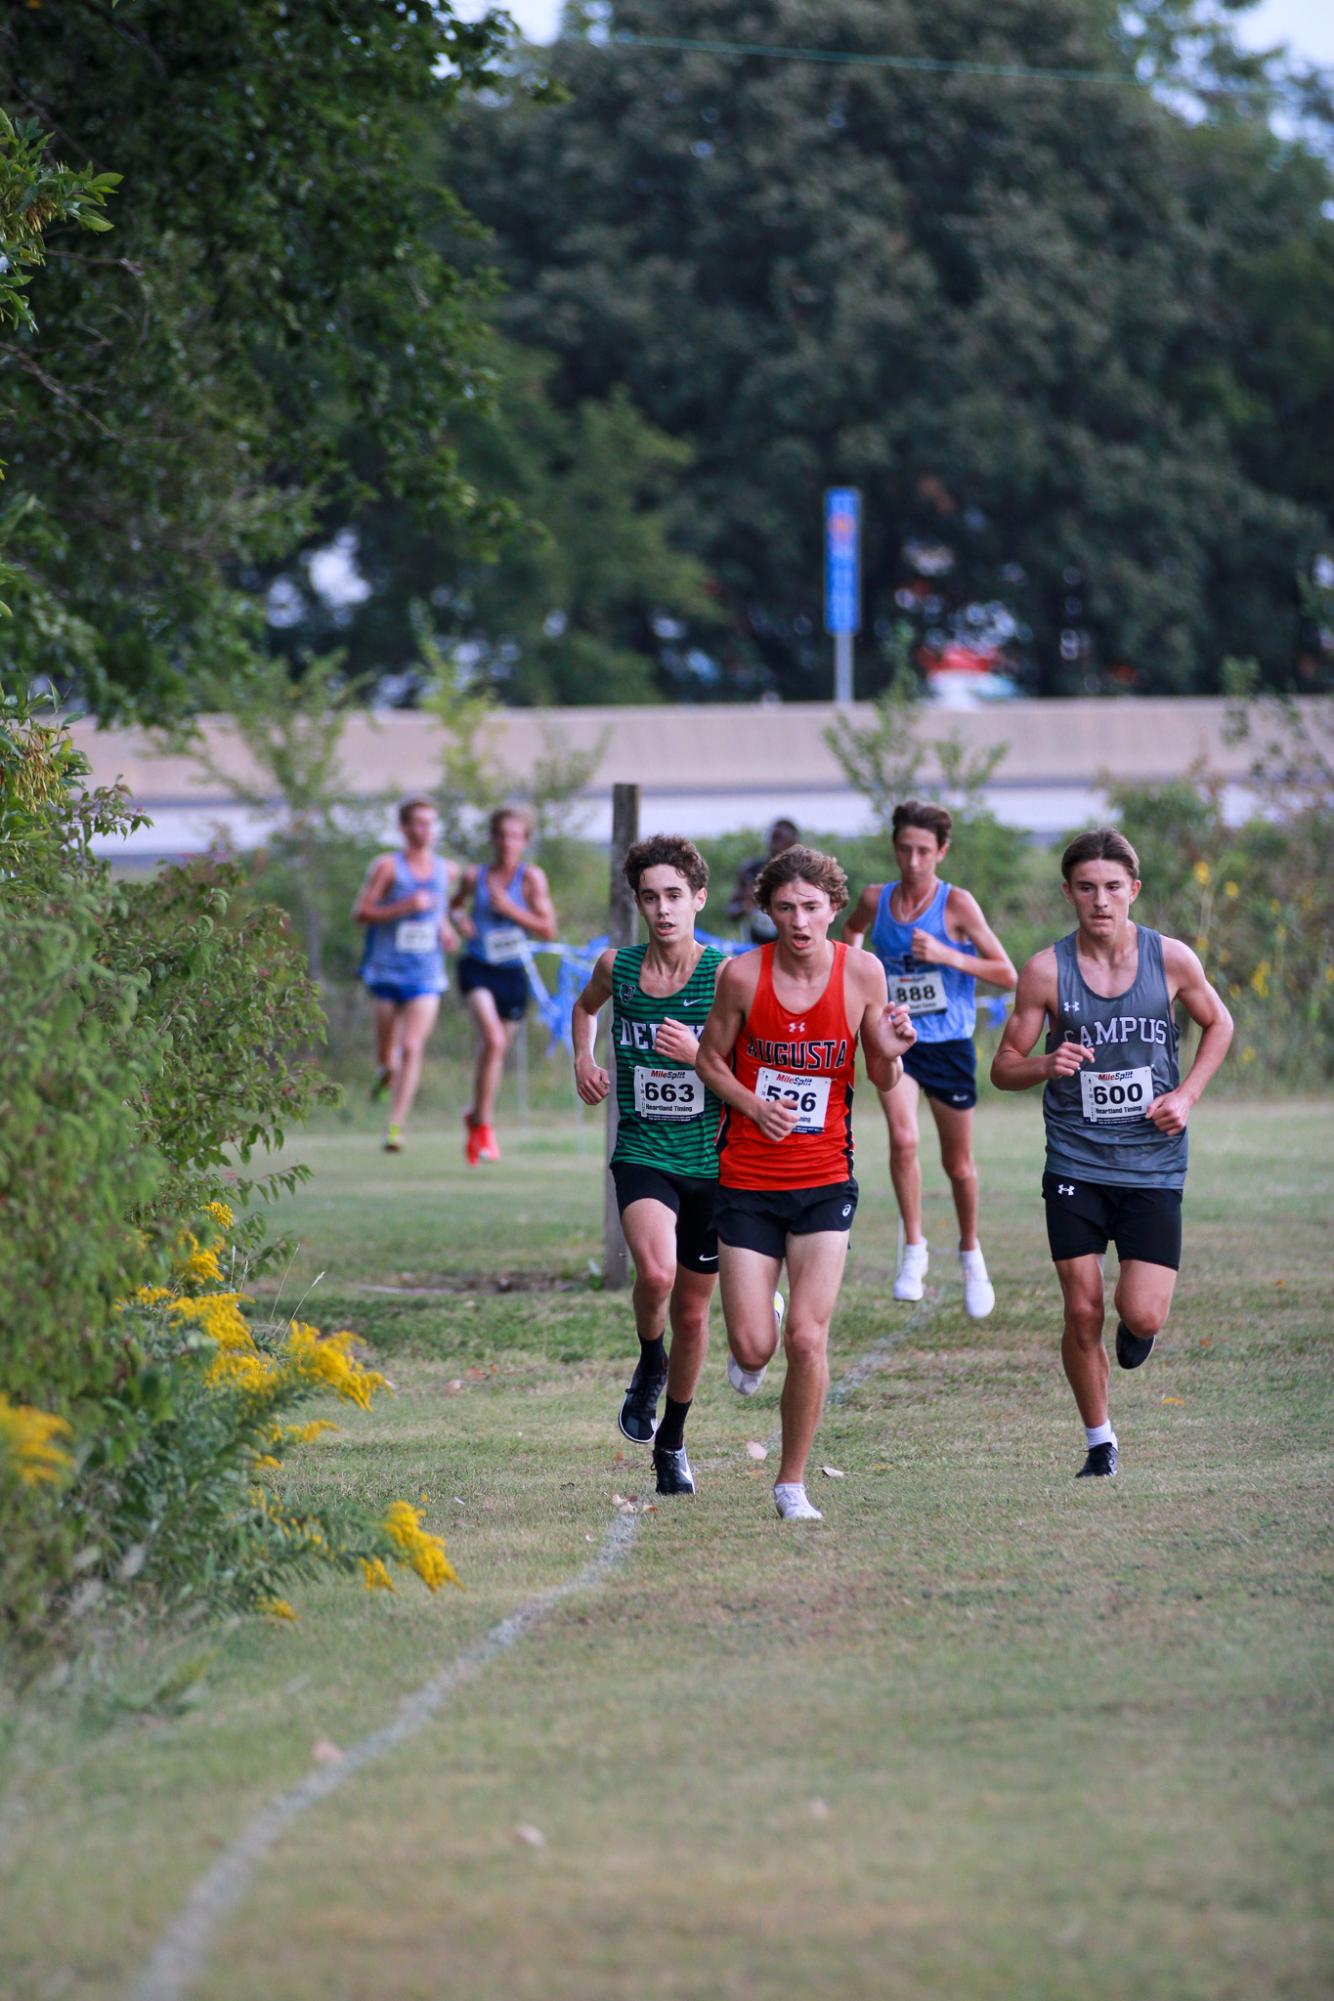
(279,275)
(1031,320)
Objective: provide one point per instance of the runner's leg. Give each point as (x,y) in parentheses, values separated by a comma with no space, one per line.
(385,1014)
(1143,1297)
(494,1038)
(1082,1350)
(901,1109)
(691,1297)
(815,1272)
(416,1019)
(650,1235)
(955,1128)
(748,1282)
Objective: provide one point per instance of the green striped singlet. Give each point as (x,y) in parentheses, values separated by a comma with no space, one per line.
(667,1118)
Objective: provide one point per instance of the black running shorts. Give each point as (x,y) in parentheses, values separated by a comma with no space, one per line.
(1083,1217)
(762,1219)
(946,1071)
(690,1197)
(508,983)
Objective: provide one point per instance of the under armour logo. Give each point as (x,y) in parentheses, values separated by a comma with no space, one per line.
(1073,1007)
(796,1028)
(1065,1188)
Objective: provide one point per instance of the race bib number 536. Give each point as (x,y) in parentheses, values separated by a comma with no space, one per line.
(1112,1095)
(808,1096)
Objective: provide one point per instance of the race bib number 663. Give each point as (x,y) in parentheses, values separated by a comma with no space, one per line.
(1112,1095)
(808,1096)
(667,1094)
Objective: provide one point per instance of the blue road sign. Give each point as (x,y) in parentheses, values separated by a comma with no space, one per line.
(842,559)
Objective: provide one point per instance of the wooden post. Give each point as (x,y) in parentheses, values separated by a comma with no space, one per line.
(620,931)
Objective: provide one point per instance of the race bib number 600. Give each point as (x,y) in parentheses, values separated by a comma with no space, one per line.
(667,1094)
(920,993)
(808,1096)
(1111,1095)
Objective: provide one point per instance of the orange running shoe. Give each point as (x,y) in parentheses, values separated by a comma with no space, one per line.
(473,1139)
(489,1148)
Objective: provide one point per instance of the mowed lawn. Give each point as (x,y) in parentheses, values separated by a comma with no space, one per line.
(983,1732)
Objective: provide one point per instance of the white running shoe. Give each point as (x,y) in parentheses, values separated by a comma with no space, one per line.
(744,1381)
(792,1504)
(913,1262)
(979,1294)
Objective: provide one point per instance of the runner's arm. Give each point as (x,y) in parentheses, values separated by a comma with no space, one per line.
(727,1016)
(368,908)
(464,890)
(885,1031)
(862,916)
(1188,983)
(590,1079)
(992,962)
(1013,1067)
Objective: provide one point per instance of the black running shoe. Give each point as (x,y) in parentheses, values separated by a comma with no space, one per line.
(1131,1349)
(639,1413)
(1101,1463)
(673,1470)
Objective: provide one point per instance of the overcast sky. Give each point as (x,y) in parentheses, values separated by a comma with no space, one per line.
(1307,24)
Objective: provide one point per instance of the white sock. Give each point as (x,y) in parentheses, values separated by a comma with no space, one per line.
(968,1257)
(1099,1434)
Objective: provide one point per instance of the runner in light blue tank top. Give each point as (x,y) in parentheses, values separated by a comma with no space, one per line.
(1115,1109)
(403,906)
(934,944)
(504,907)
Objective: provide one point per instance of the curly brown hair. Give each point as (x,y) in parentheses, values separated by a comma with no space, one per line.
(666,851)
(798,864)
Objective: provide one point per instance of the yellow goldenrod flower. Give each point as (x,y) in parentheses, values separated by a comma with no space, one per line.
(306,1434)
(220,1213)
(28,1436)
(257,1374)
(219,1315)
(330,1363)
(1201,874)
(1230,888)
(277,1608)
(264,1462)
(199,1264)
(422,1551)
(143,1295)
(374,1575)
(1260,979)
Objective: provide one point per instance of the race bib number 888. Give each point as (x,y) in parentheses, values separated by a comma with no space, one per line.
(1112,1095)
(920,993)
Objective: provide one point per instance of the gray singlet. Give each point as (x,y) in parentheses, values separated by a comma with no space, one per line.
(1096,1128)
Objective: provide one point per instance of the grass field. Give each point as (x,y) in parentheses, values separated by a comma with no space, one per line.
(982,1733)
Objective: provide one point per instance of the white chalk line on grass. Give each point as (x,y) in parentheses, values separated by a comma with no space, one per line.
(182,1952)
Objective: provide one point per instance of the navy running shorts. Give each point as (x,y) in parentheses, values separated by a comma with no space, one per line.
(946,1071)
(1083,1217)
(509,984)
(762,1219)
(690,1197)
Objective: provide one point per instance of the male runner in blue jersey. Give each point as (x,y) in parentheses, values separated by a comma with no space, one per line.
(1116,1108)
(402,905)
(935,945)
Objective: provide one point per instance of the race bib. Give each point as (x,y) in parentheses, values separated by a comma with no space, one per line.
(504,944)
(808,1096)
(1113,1095)
(667,1094)
(920,993)
(416,934)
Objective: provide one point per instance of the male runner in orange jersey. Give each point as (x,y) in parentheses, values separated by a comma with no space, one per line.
(780,1048)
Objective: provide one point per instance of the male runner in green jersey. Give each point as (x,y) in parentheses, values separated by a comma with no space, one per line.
(665,1162)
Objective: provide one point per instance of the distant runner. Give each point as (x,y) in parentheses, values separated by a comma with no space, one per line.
(665,1162)
(780,1050)
(935,945)
(1115,1110)
(741,905)
(509,905)
(402,904)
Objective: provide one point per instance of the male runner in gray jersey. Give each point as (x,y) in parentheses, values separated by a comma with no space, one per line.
(1115,1107)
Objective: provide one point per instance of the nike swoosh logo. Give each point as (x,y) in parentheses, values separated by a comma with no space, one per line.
(708,1257)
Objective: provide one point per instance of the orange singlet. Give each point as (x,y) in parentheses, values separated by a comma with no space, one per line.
(808,1061)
